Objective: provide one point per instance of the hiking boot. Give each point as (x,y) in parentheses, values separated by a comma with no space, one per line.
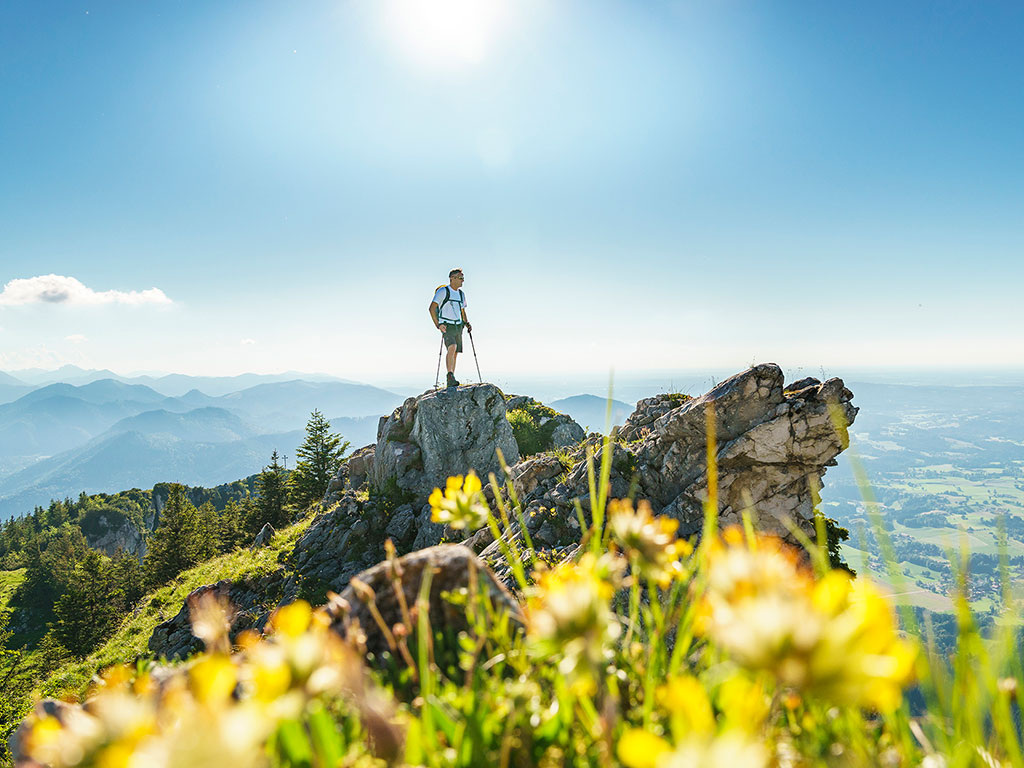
(451,380)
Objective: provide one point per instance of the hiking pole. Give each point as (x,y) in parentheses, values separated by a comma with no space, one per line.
(437,376)
(473,345)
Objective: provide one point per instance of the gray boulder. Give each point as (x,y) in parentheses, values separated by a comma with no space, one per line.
(264,537)
(249,605)
(454,567)
(351,475)
(567,433)
(440,434)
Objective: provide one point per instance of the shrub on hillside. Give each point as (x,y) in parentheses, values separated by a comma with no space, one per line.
(532,426)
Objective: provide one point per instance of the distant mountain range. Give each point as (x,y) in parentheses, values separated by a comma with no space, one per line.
(12,388)
(60,439)
(170,385)
(590,411)
(206,446)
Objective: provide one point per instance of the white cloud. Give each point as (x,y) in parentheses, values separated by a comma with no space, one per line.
(60,289)
(76,338)
(248,342)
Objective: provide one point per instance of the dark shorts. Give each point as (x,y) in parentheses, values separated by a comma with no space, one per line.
(453,335)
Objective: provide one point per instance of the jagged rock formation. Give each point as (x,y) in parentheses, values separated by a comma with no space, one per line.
(443,433)
(451,566)
(353,474)
(774,445)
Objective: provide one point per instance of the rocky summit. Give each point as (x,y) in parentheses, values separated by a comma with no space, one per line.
(438,434)
(774,444)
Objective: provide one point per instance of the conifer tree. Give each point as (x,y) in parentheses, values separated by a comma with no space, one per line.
(16,683)
(85,612)
(127,585)
(209,528)
(176,543)
(319,458)
(233,531)
(272,487)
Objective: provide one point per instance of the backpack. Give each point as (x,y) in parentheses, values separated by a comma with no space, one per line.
(448,298)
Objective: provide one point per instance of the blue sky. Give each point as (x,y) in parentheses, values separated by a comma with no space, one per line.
(638,185)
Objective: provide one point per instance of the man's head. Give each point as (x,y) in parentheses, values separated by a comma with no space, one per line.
(456,278)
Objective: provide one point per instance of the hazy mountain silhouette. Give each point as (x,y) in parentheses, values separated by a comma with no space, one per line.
(589,411)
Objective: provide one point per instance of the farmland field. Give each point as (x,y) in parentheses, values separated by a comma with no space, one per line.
(946,466)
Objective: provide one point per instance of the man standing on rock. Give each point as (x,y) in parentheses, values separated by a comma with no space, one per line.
(448,311)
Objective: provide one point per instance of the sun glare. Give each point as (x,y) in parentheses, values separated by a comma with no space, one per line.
(445,33)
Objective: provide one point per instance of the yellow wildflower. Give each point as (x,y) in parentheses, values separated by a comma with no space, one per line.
(213,678)
(650,541)
(461,505)
(689,708)
(569,616)
(639,749)
(834,638)
(744,703)
(293,619)
(730,750)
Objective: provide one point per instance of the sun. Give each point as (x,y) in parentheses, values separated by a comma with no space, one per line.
(445,33)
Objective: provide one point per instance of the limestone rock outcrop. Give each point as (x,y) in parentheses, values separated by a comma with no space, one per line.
(111,531)
(774,445)
(443,433)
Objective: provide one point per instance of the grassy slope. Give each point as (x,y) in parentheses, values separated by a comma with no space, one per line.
(129,642)
(9,581)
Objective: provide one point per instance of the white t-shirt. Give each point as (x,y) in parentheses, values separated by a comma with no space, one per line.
(451,311)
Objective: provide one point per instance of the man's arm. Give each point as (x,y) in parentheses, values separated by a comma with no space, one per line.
(433,316)
(466,321)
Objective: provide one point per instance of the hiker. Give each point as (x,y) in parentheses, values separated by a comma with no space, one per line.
(448,311)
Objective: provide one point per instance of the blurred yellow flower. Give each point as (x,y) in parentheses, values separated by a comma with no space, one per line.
(649,541)
(686,700)
(292,619)
(568,616)
(744,703)
(216,710)
(834,638)
(461,505)
(213,678)
(639,749)
(727,751)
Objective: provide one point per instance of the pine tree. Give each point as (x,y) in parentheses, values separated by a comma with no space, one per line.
(209,527)
(272,487)
(233,530)
(16,684)
(176,543)
(85,613)
(319,458)
(127,585)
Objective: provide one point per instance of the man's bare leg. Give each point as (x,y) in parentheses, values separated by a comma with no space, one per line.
(450,358)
